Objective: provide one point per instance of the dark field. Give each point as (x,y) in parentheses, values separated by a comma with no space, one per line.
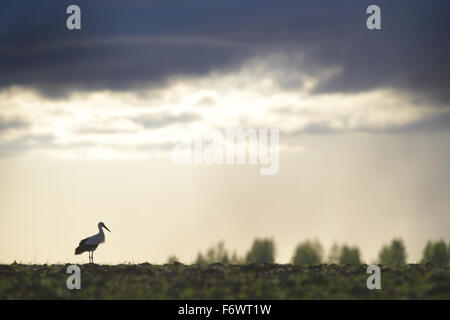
(216,281)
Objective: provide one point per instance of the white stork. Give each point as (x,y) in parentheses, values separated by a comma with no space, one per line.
(91,243)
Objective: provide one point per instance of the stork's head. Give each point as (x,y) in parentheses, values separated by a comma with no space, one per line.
(102,225)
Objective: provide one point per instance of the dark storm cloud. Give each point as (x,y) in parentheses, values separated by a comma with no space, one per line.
(145,43)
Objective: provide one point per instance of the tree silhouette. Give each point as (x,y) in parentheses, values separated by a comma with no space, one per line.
(214,254)
(262,250)
(172,259)
(436,253)
(308,253)
(395,253)
(349,255)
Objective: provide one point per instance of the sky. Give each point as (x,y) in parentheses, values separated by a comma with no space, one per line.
(89,118)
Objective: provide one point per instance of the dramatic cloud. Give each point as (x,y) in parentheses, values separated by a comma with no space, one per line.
(147,43)
(116,124)
(133,78)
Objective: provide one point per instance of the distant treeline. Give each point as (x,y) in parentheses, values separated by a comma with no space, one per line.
(311,252)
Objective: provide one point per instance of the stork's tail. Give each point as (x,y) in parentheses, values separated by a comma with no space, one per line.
(81,247)
(79,250)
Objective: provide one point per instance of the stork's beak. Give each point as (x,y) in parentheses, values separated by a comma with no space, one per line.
(107,228)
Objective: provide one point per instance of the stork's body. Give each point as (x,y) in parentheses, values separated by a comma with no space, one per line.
(91,243)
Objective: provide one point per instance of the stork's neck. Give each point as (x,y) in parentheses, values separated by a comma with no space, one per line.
(100,230)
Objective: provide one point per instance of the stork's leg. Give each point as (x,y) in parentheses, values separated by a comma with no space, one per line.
(92,256)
